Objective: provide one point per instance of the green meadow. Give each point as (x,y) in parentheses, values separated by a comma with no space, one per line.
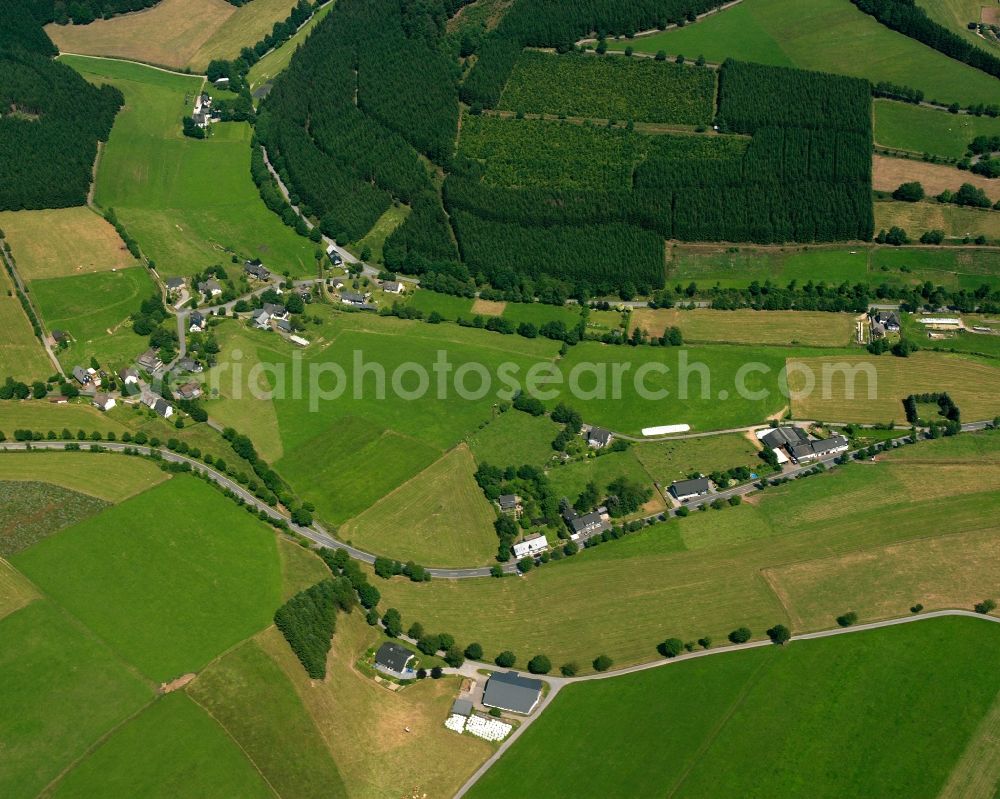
(668,461)
(823,35)
(61,688)
(800,554)
(929,130)
(171,749)
(884,713)
(169,578)
(95,309)
(514,438)
(247,692)
(734,267)
(188,203)
(699,387)
(449,306)
(345,452)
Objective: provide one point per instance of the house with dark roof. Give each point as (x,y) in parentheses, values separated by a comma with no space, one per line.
(509,691)
(129,376)
(392,287)
(197,322)
(256,270)
(782,437)
(598,437)
(887,321)
(283,325)
(509,503)
(353,298)
(683,490)
(275,311)
(394,660)
(586,525)
(103,401)
(150,361)
(462,707)
(80,375)
(334,256)
(59,336)
(163,408)
(810,450)
(210,288)
(189,365)
(261,319)
(189,391)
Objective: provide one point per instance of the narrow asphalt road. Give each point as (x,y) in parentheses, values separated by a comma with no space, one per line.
(319,535)
(471,669)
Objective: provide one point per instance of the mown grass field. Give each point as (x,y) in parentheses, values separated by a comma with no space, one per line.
(15,590)
(514,437)
(248,25)
(668,461)
(187,202)
(300,568)
(438,518)
(169,579)
(175,33)
(708,725)
(884,382)
(95,309)
(168,34)
(21,354)
(62,242)
(889,172)
(956,222)
(109,477)
(538,314)
(171,749)
(248,694)
(449,306)
(62,689)
(824,35)
(984,344)
(811,328)
(44,417)
(700,385)
(383,743)
(274,62)
(705,575)
(346,452)
(928,130)
(609,88)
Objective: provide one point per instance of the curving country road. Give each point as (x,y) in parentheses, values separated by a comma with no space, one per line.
(318,534)
(472,669)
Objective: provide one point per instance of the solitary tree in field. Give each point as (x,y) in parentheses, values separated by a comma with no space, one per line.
(986,606)
(847,619)
(569,669)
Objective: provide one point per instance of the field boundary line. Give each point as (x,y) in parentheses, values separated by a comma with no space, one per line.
(97,744)
(972,776)
(134,61)
(717,728)
(232,738)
